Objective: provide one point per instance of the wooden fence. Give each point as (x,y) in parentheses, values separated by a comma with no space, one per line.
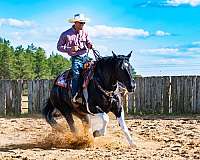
(13,91)
(176,94)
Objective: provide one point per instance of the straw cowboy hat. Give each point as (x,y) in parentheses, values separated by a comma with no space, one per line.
(78,18)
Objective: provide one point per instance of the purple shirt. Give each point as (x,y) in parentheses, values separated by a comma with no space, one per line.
(71,38)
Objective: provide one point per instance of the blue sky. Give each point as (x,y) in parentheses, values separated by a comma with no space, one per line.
(164,34)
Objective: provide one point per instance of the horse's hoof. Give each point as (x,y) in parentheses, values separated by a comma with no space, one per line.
(96,133)
(58,128)
(133,145)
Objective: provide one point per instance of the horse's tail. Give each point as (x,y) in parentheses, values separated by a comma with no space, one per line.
(47,112)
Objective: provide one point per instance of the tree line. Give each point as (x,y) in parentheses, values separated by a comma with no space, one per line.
(29,63)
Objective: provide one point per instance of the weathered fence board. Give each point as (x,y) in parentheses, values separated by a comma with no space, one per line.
(30,96)
(2,98)
(9,96)
(137,95)
(198,94)
(38,94)
(13,91)
(166,94)
(152,95)
(17,96)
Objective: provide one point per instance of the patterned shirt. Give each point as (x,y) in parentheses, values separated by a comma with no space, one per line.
(71,38)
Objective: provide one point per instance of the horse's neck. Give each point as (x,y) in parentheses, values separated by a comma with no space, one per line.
(105,77)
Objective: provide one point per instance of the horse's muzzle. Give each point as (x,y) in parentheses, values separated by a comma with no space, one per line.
(131,87)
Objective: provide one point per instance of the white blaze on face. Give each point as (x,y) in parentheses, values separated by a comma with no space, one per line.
(126,64)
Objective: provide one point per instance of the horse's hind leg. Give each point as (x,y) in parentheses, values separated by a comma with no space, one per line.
(67,113)
(71,123)
(47,112)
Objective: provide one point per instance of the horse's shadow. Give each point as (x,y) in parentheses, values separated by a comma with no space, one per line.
(24,146)
(43,146)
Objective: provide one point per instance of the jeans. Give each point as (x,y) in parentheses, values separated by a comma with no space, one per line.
(77,67)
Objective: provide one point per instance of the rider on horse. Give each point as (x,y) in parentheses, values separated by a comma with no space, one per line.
(75,42)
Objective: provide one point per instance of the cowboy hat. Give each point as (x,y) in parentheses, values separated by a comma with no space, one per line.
(78,18)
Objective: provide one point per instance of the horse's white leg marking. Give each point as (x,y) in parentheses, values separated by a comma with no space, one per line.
(105,119)
(123,126)
(85,94)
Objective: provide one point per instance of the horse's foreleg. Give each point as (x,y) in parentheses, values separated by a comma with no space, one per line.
(123,126)
(105,119)
(71,123)
(87,123)
(85,119)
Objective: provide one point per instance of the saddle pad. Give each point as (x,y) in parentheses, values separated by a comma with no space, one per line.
(62,80)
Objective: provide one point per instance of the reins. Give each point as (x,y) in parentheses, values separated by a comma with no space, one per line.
(108,94)
(96,54)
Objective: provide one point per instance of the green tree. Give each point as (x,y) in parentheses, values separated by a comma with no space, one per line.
(30,63)
(6,59)
(133,72)
(58,64)
(23,66)
(40,64)
(29,59)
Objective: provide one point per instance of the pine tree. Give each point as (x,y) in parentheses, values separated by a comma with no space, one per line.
(6,60)
(22,65)
(29,60)
(58,64)
(40,64)
(133,72)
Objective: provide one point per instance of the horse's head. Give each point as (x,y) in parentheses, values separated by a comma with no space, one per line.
(123,71)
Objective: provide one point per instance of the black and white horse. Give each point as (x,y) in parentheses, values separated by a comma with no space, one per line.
(101,96)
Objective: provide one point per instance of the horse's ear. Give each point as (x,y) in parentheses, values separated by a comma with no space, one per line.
(129,55)
(114,55)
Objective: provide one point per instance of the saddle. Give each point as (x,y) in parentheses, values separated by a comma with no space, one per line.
(65,78)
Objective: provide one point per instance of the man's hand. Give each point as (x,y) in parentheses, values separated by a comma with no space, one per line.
(89,46)
(74,48)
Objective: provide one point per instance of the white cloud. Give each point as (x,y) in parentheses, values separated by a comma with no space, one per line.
(102,48)
(181,2)
(194,50)
(113,32)
(16,23)
(161,33)
(171,61)
(196,43)
(160,50)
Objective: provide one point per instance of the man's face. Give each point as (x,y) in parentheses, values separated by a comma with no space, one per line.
(79,25)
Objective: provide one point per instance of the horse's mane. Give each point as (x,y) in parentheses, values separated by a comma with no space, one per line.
(105,59)
(110,59)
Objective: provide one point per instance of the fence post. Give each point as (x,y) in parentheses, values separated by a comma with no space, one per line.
(30,96)
(8,97)
(17,96)
(166,95)
(198,94)
(2,98)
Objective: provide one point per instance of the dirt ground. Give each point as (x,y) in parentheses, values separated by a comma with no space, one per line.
(156,138)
